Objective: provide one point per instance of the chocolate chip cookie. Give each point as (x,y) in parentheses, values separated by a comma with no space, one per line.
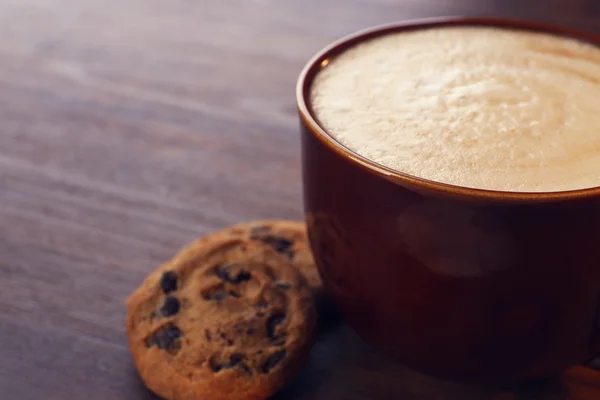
(226,318)
(286,237)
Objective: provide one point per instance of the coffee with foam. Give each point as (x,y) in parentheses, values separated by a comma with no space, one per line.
(479,107)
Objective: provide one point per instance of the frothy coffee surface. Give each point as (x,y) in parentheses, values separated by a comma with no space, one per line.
(481,107)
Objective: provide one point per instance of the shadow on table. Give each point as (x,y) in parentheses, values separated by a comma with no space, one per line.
(342,367)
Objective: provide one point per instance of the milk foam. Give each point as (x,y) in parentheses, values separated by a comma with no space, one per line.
(480,107)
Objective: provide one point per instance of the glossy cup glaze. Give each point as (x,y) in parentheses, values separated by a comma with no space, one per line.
(459,283)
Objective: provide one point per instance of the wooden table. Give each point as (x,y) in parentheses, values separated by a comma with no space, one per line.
(127,128)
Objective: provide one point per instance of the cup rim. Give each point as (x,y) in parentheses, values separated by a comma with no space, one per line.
(417,183)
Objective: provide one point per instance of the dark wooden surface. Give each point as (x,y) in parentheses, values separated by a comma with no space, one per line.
(127,128)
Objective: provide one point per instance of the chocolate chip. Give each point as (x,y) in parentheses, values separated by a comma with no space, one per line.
(223,335)
(168,282)
(234,360)
(165,338)
(272,323)
(226,274)
(234,294)
(272,361)
(170,307)
(250,332)
(282,285)
(279,243)
(207,335)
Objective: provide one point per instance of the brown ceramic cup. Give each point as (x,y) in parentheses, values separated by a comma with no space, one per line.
(459,283)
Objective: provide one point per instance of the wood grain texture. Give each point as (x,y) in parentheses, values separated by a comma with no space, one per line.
(127,129)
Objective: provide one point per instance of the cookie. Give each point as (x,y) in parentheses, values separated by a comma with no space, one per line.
(286,237)
(226,318)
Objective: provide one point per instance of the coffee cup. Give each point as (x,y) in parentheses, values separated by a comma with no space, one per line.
(457,281)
